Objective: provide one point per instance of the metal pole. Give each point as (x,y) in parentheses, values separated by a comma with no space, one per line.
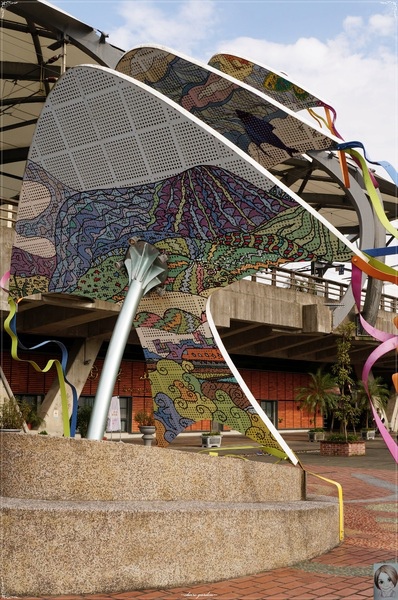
(146,269)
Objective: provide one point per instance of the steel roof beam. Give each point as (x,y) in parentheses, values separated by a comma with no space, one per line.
(14,155)
(28,72)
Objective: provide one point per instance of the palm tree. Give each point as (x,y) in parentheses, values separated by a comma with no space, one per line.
(378,392)
(346,410)
(319,394)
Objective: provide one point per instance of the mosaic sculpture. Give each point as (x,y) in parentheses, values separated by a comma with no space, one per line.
(180,165)
(268,129)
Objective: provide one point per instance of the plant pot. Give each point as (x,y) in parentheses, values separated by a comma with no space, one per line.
(9,430)
(368,434)
(211,441)
(316,436)
(148,431)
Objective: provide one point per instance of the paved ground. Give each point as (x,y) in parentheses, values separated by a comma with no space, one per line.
(371,532)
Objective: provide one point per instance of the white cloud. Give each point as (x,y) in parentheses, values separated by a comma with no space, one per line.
(189,24)
(355,72)
(352,23)
(367,34)
(383,25)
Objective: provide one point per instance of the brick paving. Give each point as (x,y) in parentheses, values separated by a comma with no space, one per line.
(346,572)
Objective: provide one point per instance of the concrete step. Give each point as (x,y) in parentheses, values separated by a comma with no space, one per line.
(82,516)
(74,547)
(53,468)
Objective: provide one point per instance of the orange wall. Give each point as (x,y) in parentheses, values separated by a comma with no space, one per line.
(265,385)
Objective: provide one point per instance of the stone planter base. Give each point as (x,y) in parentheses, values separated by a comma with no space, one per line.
(343,449)
(211,441)
(130,510)
(149,433)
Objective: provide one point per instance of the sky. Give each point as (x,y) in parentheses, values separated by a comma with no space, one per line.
(344,52)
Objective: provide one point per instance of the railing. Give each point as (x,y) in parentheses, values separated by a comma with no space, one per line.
(8,215)
(316,286)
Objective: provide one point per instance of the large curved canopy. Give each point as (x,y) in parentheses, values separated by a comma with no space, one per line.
(38,43)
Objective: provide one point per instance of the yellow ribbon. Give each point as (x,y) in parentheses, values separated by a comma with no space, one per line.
(374,198)
(50,363)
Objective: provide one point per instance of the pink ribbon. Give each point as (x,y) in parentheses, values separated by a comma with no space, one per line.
(4,280)
(389,342)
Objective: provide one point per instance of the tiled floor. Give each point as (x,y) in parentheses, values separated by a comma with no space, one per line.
(371,536)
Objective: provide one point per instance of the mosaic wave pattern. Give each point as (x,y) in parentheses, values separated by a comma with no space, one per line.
(148,168)
(255,123)
(265,80)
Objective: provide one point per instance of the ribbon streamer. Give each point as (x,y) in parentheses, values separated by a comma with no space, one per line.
(374,198)
(69,430)
(356,279)
(382,163)
(389,342)
(376,269)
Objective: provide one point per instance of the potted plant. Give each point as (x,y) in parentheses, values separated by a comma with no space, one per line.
(31,416)
(211,439)
(368,433)
(318,396)
(11,417)
(146,425)
(316,434)
(83,419)
(346,410)
(342,444)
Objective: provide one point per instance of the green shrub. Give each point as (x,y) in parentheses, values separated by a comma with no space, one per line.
(83,419)
(10,415)
(144,419)
(341,438)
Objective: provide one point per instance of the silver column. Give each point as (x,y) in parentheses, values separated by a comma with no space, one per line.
(146,269)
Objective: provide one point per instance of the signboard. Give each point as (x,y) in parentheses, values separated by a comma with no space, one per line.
(113,422)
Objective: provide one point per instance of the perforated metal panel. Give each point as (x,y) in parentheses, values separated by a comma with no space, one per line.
(266,80)
(150,149)
(256,123)
(145,140)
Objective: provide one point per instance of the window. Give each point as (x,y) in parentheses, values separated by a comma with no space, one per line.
(32,400)
(270,407)
(125,410)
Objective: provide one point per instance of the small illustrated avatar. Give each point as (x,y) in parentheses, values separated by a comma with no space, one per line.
(385,582)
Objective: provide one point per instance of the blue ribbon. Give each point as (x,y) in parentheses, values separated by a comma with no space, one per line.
(63,362)
(388,250)
(386,165)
